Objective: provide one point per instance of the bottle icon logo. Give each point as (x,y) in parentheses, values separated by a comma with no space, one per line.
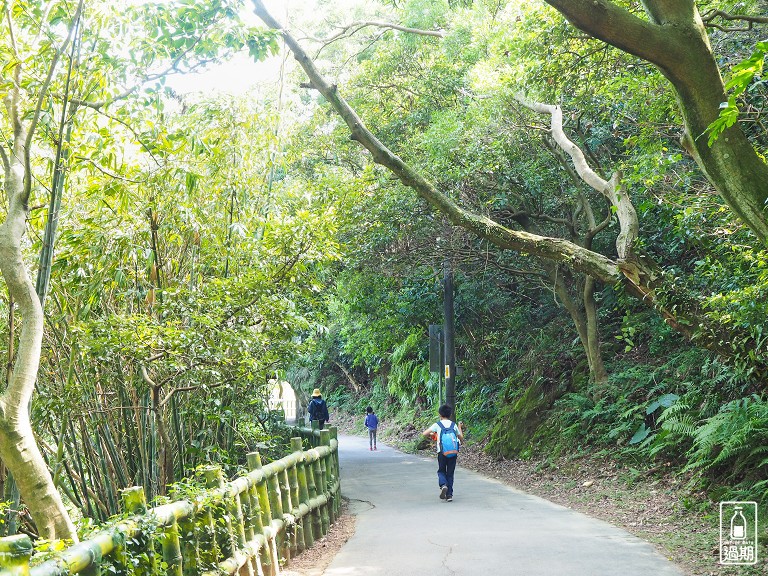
(738,533)
(738,525)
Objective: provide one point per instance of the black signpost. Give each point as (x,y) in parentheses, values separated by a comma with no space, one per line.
(442,353)
(450,350)
(436,356)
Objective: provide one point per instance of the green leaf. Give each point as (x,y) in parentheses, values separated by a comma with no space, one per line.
(663,402)
(640,435)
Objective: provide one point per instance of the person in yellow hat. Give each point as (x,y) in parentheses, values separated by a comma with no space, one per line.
(318,409)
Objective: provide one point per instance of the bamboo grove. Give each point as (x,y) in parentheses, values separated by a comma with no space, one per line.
(175,270)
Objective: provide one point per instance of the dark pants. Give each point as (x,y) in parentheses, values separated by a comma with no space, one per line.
(445,469)
(320,424)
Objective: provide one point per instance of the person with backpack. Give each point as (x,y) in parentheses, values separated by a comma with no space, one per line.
(318,409)
(372,423)
(448,436)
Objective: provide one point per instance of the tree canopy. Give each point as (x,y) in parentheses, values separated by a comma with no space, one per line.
(593,171)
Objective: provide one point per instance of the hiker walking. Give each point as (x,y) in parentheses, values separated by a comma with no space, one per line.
(318,409)
(372,423)
(448,436)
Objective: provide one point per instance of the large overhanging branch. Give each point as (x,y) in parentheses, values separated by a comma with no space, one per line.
(638,274)
(615,25)
(355,27)
(555,249)
(673,38)
(709,20)
(610,189)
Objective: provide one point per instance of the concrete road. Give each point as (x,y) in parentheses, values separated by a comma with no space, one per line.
(404,529)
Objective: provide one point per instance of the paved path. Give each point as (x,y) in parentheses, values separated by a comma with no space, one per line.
(404,529)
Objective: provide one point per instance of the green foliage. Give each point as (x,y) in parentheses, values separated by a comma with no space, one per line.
(730,444)
(409,375)
(746,75)
(633,410)
(517,421)
(642,434)
(214,244)
(378,398)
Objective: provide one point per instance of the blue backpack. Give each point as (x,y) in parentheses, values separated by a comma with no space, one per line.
(449,441)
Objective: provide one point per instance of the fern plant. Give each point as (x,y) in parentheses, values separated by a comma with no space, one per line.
(409,376)
(734,441)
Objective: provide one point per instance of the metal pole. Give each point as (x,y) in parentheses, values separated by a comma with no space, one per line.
(440,372)
(450,351)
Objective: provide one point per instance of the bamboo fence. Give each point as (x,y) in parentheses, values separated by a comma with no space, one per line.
(249,526)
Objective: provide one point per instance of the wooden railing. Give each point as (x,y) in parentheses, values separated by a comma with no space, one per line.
(249,526)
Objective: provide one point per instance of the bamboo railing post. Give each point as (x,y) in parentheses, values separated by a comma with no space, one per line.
(325,440)
(317,524)
(15,552)
(254,521)
(245,529)
(287,506)
(190,550)
(236,507)
(134,501)
(297,446)
(234,504)
(223,533)
(255,513)
(336,472)
(306,520)
(172,549)
(207,545)
(246,507)
(312,438)
(327,470)
(254,462)
(276,506)
(270,558)
(285,491)
(317,466)
(293,477)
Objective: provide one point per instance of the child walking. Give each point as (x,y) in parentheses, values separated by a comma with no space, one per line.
(447,435)
(372,423)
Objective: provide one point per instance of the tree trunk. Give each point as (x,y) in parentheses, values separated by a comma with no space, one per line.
(165,446)
(584,319)
(18,448)
(675,40)
(352,382)
(599,373)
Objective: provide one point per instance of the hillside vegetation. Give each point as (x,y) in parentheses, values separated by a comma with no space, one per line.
(597,187)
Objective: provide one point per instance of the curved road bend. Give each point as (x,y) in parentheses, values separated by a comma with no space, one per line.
(404,529)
